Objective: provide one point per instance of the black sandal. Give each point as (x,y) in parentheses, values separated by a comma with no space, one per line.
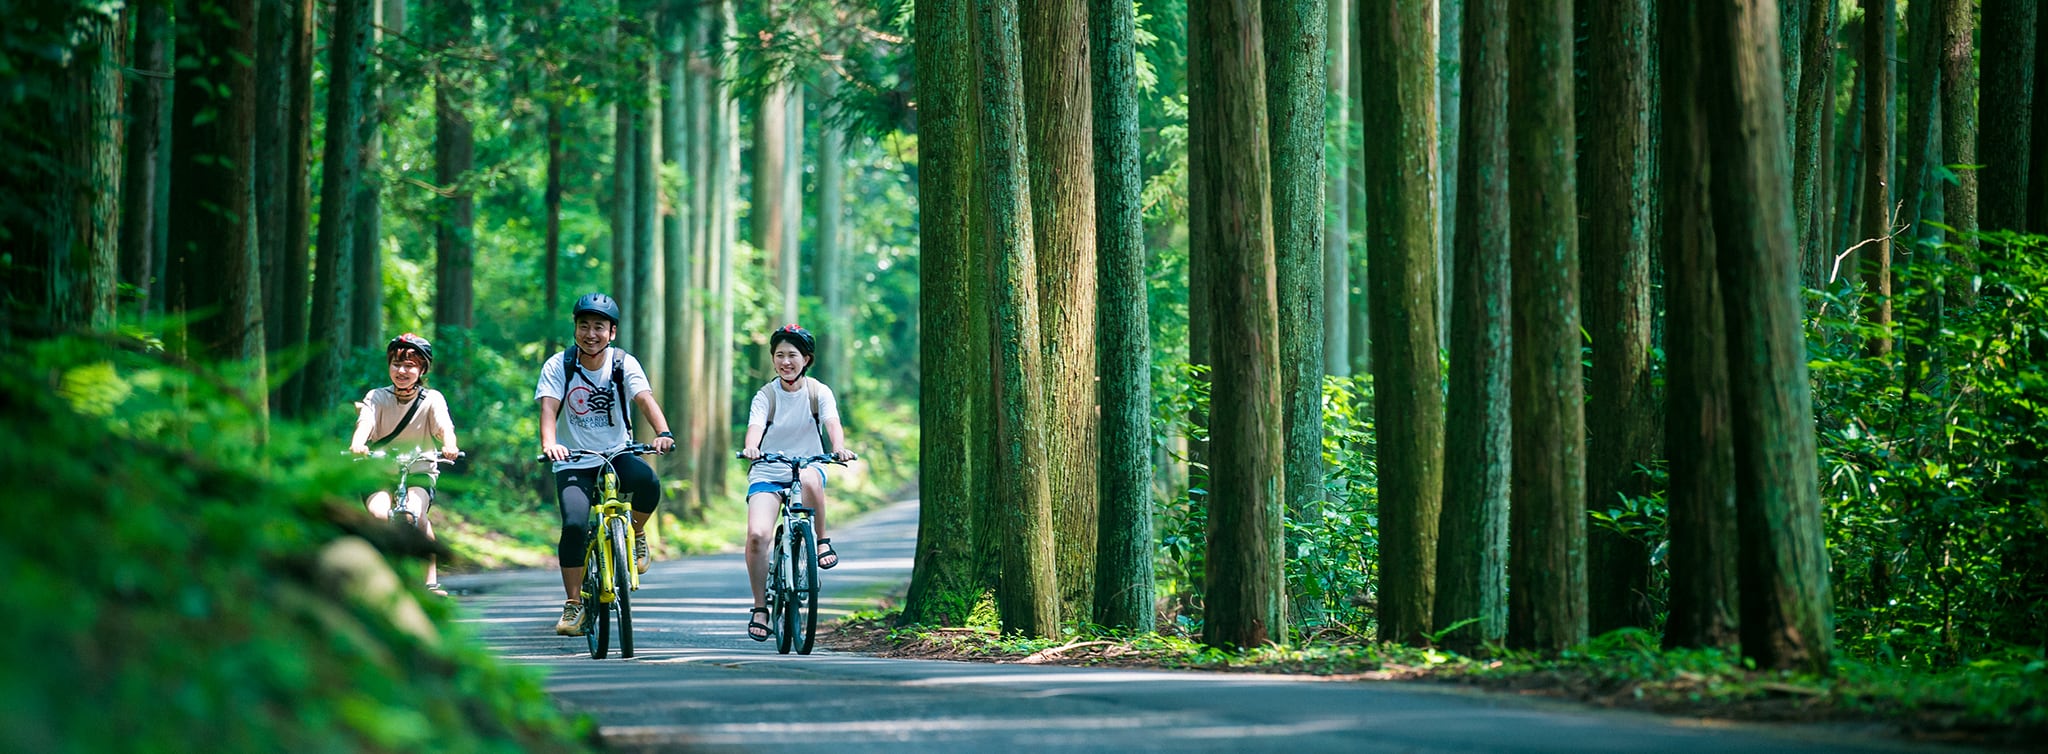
(754,624)
(826,550)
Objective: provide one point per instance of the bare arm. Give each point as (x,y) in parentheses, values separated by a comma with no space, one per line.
(838,435)
(550,407)
(366,420)
(652,410)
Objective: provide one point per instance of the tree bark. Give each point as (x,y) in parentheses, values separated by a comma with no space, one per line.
(1360,297)
(1398,41)
(1295,90)
(63,169)
(1124,582)
(213,268)
(148,110)
(294,268)
(1850,164)
(625,221)
(1701,495)
(1547,551)
(1814,119)
(341,168)
(1879,26)
(1227,133)
(830,265)
(454,155)
(1786,622)
(791,270)
(771,133)
(1337,195)
(551,199)
(1615,258)
(366,306)
(2008,102)
(943,589)
(1959,142)
(1062,160)
(2037,147)
(644,309)
(275,25)
(1028,599)
(1923,113)
(1472,548)
(678,262)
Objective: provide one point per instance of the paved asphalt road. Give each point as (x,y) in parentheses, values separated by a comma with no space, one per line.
(698,684)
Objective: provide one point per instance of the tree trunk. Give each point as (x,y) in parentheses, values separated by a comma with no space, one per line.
(341,166)
(1959,142)
(366,306)
(1227,133)
(1124,582)
(551,198)
(1028,599)
(2008,102)
(830,265)
(791,270)
(1615,257)
(1923,113)
(213,260)
(141,214)
(1398,41)
(1472,549)
(275,25)
(1783,571)
(1702,486)
(624,219)
(454,155)
(62,225)
(678,263)
(2037,147)
(644,309)
(1295,91)
(1547,560)
(1814,116)
(943,589)
(705,458)
(1850,165)
(1360,297)
(1450,13)
(294,266)
(1879,26)
(1337,195)
(726,245)
(1056,99)
(771,133)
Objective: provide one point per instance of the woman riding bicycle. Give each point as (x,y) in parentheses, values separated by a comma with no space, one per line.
(407,413)
(596,393)
(808,410)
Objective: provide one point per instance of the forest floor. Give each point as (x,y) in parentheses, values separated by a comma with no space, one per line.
(1921,708)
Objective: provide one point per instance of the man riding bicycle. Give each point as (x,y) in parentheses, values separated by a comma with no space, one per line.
(595,382)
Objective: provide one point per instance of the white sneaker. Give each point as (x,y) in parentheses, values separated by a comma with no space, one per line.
(571,623)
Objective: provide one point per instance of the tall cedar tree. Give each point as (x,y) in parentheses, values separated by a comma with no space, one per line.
(645,308)
(1295,81)
(1227,133)
(1816,107)
(148,108)
(274,24)
(771,150)
(1337,195)
(1827,270)
(1123,548)
(1923,111)
(942,584)
(677,254)
(1472,548)
(1398,41)
(1879,27)
(1958,141)
(1615,258)
(366,306)
(90,135)
(624,222)
(213,264)
(697,420)
(1360,294)
(1697,439)
(454,155)
(1056,102)
(831,246)
(1786,620)
(2008,102)
(348,51)
(294,268)
(2037,143)
(725,177)
(1028,600)
(63,174)
(1547,550)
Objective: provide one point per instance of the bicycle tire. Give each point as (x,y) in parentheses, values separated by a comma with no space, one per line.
(622,586)
(806,568)
(596,622)
(784,611)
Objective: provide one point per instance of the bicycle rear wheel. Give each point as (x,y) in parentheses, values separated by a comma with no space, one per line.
(596,622)
(805,547)
(622,585)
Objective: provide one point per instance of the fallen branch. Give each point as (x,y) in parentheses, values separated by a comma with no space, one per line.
(1047,654)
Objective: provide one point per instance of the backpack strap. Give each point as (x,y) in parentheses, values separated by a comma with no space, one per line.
(618,382)
(403,421)
(812,395)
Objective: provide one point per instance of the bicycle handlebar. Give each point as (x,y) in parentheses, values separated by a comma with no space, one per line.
(638,449)
(414,457)
(797,461)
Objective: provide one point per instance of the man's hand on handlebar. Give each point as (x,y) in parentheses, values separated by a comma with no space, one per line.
(556,452)
(663,444)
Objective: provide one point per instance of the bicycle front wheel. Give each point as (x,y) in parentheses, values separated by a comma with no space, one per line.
(596,621)
(806,550)
(782,592)
(622,585)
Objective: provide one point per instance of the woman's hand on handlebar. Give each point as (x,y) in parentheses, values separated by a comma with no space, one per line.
(842,455)
(751,454)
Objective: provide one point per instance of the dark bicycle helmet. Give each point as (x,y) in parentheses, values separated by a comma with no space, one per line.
(795,335)
(598,304)
(413,342)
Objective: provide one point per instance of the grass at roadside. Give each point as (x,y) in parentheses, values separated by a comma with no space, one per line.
(1994,703)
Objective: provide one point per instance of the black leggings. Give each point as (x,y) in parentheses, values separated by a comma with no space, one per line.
(574,487)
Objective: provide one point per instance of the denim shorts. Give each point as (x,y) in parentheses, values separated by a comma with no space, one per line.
(760,487)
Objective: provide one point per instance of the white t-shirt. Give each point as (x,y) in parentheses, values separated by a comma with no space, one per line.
(794,434)
(592,416)
(379,411)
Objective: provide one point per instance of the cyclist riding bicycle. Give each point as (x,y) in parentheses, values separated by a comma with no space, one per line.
(407,413)
(794,395)
(595,381)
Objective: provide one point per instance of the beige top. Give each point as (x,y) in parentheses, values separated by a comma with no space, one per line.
(379,411)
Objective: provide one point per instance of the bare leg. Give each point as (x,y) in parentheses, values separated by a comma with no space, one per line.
(420,500)
(572,583)
(814,496)
(379,504)
(762,510)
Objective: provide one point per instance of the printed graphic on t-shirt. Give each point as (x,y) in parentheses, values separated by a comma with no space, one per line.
(590,407)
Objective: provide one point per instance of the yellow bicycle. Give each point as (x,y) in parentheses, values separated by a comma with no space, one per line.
(609,578)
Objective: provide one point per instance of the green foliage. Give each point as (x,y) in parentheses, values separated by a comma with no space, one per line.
(163,568)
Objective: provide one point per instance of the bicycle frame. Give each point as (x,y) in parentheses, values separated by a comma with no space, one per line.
(401,503)
(597,548)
